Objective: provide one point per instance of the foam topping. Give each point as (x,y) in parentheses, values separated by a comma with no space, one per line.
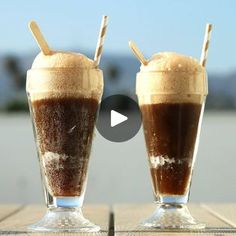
(173,77)
(64,74)
(171,61)
(62,60)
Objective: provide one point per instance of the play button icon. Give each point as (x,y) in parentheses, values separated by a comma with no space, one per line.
(119,118)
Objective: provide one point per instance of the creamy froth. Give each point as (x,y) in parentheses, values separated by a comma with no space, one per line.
(171,77)
(171,61)
(62,60)
(64,74)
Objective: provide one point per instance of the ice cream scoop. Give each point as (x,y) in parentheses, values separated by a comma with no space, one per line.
(169,73)
(171,61)
(59,59)
(64,74)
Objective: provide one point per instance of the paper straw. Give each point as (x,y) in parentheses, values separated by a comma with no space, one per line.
(205,46)
(100,42)
(38,36)
(138,53)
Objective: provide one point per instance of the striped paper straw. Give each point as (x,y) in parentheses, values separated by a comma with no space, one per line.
(100,42)
(206,44)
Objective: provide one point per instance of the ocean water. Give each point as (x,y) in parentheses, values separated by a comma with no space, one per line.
(118,172)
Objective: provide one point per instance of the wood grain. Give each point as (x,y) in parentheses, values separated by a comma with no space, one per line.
(7,210)
(18,222)
(225,212)
(220,219)
(127,218)
(174,234)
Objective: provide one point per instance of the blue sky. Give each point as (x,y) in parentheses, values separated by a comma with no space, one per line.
(170,25)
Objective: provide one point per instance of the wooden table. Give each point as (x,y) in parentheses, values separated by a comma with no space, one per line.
(122,219)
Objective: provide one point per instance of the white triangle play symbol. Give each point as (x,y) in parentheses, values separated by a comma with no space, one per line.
(117,118)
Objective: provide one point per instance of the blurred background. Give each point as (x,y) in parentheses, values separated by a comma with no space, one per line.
(118,171)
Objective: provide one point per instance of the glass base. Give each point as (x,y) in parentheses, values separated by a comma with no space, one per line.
(64,220)
(172,217)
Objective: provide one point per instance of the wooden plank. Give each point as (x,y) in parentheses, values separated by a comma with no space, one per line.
(205,216)
(225,212)
(174,234)
(17,223)
(127,218)
(7,210)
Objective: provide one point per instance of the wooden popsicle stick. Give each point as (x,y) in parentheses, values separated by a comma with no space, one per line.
(138,53)
(38,36)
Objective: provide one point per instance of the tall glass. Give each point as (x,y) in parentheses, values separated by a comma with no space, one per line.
(172,114)
(63,105)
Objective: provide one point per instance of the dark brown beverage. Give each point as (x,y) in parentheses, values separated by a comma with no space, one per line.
(170,132)
(64,131)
